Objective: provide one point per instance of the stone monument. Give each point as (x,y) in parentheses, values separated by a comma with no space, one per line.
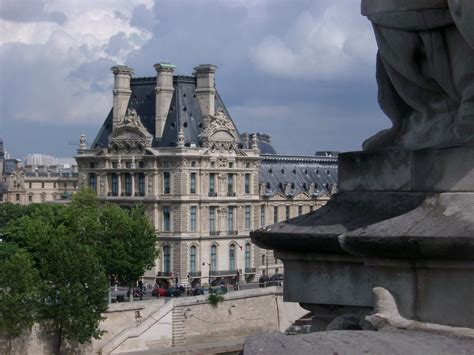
(402,223)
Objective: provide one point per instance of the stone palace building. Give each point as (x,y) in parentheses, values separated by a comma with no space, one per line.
(40,178)
(170,144)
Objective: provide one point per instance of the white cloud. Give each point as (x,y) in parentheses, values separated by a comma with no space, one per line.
(56,50)
(323,44)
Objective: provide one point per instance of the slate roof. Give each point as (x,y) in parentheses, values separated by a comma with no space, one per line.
(184,112)
(9,166)
(299,172)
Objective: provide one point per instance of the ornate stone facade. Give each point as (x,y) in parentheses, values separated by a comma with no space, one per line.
(199,180)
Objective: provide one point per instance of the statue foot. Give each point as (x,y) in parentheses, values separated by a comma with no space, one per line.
(383,140)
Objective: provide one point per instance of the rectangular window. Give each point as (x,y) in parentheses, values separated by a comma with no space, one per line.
(92,165)
(213,265)
(287,212)
(29,184)
(42,184)
(92,181)
(166,164)
(114,164)
(128,185)
(141,184)
(212,219)
(212,181)
(30,198)
(141,164)
(114,179)
(247,217)
(128,164)
(193,183)
(247,183)
(230,183)
(300,210)
(275,214)
(230,219)
(17,197)
(192,218)
(166,218)
(262,216)
(166,183)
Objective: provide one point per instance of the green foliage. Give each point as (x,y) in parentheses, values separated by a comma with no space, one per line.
(18,290)
(72,250)
(214,299)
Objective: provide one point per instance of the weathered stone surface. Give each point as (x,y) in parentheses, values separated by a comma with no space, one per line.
(358,342)
(425,65)
(446,170)
(345,322)
(346,211)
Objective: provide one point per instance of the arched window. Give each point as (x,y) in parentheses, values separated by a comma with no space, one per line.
(247,256)
(166,259)
(213,265)
(192,259)
(232,257)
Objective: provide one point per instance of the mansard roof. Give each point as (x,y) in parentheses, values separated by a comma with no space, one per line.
(184,112)
(297,172)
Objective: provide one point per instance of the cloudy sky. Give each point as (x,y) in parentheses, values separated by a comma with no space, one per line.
(299,70)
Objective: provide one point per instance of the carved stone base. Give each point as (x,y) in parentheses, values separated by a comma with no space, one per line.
(403,221)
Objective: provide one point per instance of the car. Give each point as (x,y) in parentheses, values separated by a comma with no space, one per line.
(173,292)
(158,292)
(196,291)
(219,290)
(263,281)
(276,280)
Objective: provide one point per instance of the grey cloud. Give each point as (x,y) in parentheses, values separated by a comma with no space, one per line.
(143,18)
(29,11)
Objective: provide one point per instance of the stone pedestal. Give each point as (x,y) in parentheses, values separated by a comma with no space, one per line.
(401,220)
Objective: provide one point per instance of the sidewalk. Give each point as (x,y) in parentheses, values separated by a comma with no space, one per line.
(230,345)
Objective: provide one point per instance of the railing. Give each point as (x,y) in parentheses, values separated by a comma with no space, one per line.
(212,194)
(233,232)
(223,273)
(250,270)
(231,194)
(214,233)
(195,274)
(139,193)
(164,274)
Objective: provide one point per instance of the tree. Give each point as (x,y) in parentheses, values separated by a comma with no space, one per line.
(124,239)
(73,285)
(18,291)
(128,243)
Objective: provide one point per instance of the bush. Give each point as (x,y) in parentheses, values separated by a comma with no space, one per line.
(214,299)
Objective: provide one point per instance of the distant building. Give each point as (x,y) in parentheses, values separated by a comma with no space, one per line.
(53,179)
(170,144)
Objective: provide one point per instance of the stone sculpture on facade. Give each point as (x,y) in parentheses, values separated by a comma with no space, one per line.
(425,65)
(129,133)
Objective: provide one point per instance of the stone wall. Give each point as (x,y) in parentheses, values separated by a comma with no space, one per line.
(156,324)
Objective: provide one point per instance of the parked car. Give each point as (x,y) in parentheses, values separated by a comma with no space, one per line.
(219,290)
(276,280)
(196,291)
(158,292)
(174,292)
(263,281)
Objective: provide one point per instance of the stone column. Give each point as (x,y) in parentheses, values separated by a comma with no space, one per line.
(132,177)
(164,93)
(121,91)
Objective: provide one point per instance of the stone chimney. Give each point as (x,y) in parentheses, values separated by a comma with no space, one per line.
(164,93)
(122,91)
(205,90)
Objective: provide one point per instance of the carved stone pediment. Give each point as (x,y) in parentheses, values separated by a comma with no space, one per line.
(130,134)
